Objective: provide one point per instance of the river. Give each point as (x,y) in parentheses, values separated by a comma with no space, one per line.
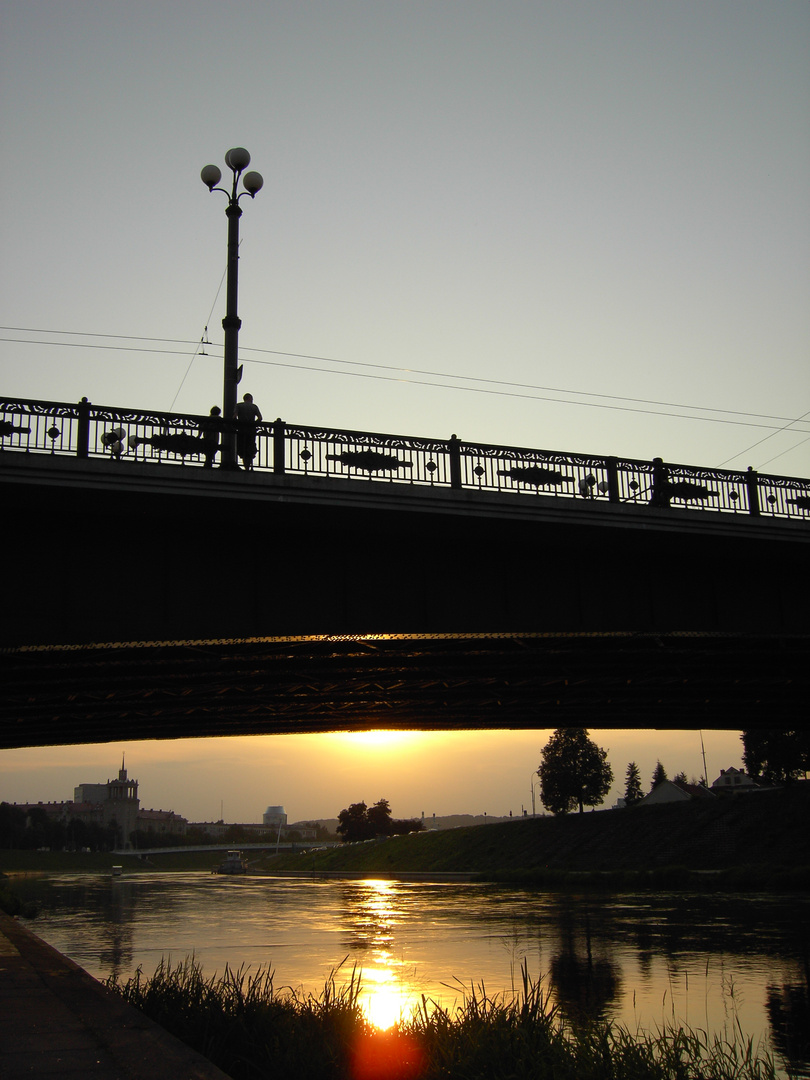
(724,964)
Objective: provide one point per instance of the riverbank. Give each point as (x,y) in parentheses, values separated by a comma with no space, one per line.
(57,1021)
(758,840)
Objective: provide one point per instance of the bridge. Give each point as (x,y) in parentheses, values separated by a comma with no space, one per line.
(355,580)
(218,849)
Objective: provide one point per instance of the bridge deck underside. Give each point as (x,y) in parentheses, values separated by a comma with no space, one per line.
(177,690)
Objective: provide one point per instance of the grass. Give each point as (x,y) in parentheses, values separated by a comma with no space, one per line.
(740,843)
(250,1028)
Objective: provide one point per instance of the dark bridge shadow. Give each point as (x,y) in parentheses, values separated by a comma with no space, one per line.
(85,694)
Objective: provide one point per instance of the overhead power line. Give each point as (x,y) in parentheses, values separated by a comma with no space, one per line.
(759,442)
(402,374)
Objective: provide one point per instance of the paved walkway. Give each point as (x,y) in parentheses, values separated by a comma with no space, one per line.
(58,1022)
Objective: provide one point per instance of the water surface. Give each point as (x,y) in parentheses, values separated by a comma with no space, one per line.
(719,963)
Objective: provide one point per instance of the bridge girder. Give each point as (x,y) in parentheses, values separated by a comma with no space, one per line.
(640,617)
(263,686)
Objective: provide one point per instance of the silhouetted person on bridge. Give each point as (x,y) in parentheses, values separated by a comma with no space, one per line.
(661,490)
(247,415)
(209,433)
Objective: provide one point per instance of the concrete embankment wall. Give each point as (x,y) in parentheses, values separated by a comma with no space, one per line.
(56,1020)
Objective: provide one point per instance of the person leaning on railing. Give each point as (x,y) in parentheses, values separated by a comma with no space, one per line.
(209,433)
(247,415)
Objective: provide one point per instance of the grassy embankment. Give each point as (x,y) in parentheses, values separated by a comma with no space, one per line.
(759,840)
(752,841)
(247,1028)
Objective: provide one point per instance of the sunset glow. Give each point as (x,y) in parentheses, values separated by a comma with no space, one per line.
(377,739)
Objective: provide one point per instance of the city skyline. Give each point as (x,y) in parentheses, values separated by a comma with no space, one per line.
(316,776)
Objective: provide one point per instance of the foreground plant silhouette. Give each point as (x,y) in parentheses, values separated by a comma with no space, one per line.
(250,1029)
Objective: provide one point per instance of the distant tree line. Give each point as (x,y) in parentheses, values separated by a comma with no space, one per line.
(33,828)
(22,829)
(361,822)
(197,836)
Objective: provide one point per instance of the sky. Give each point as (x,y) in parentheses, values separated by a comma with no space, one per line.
(316,776)
(577,226)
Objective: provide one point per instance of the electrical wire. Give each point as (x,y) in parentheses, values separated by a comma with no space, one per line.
(384,367)
(782,453)
(531,397)
(765,439)
(485,389)
(201,342)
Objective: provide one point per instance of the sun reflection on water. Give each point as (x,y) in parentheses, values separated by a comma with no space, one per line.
(389,988)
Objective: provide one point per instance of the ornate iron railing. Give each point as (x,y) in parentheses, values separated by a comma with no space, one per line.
(89,431)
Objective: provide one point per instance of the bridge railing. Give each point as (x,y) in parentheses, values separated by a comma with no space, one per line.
(86,431)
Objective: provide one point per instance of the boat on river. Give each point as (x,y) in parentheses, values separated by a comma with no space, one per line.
(233,863)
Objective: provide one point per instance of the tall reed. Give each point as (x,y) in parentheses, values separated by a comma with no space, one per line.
(251,1029)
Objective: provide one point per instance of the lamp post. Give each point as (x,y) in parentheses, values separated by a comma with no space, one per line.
(534,787)
(237,161)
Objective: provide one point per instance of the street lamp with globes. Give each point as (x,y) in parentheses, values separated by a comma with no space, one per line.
(237,161)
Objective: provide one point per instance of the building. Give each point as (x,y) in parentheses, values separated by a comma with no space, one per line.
(162,821)
(274,816)
(669,791)
(114,804)
(118,800)
(733,780)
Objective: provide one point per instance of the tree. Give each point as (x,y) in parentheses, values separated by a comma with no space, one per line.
(401,826)
(775,755)
(632,785)
(353,823)
(12,826)
(659,776)
(361,822)
(574,771)
(379,817)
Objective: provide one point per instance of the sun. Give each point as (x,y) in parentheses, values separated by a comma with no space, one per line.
(377,739)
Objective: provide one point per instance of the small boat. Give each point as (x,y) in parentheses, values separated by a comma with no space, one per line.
(233,863)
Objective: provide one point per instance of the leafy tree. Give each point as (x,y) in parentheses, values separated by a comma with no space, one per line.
(658,776)
(379,817)
(632,785)
(399,826)
(573,772)
(776,755)
(353,823)
(361,822)
(197,835)
(12,826)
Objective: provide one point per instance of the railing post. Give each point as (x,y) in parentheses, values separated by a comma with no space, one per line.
(454,451)
(279,432)
(613,479)
(751,482)
(83,429)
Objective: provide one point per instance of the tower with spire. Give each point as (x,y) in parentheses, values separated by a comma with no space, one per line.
(118,800)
